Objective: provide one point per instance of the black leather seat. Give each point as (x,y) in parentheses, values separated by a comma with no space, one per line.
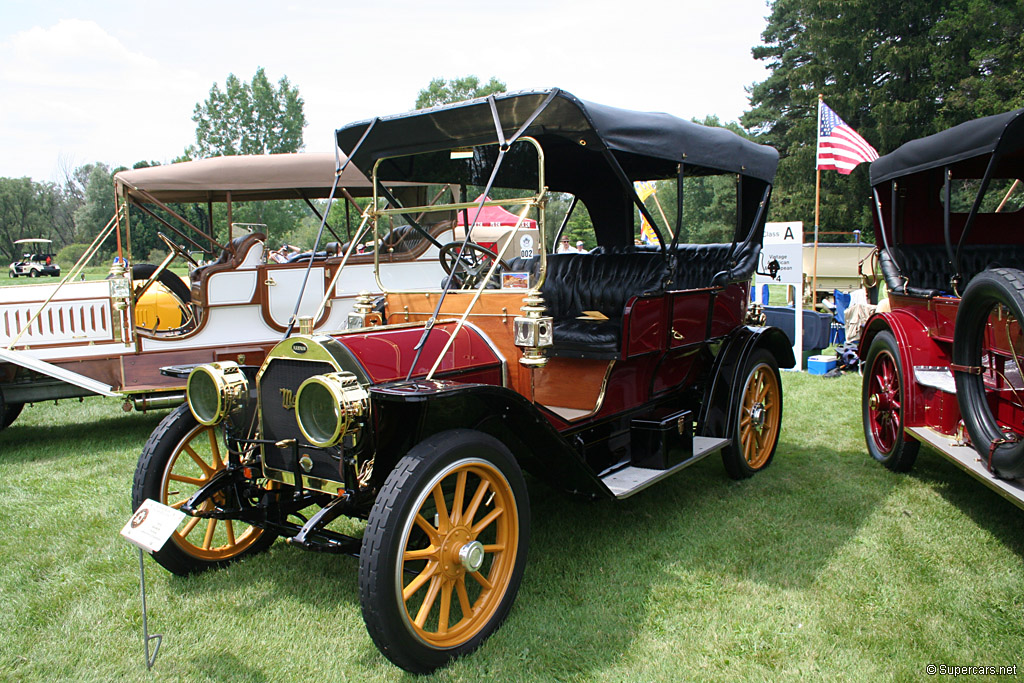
(924,269)
(596,282)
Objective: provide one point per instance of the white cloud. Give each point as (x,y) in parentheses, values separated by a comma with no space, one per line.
(73,89)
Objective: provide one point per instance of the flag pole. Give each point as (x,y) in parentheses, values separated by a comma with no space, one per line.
(817,208)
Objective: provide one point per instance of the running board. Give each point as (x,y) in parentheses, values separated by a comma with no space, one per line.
(43,368)
(967,459)
(629,480)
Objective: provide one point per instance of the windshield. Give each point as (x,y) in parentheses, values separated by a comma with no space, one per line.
(498,209)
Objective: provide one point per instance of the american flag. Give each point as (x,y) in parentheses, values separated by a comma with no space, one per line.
(840,148)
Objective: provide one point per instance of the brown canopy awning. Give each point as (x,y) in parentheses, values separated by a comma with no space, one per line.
(245,177)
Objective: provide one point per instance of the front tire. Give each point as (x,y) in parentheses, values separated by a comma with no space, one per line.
(882,401)
(444,549)
(180,456)
(754,433)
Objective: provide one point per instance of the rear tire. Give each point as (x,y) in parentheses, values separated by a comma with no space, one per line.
(8,412)
(444,549)
(758,417)
(882,400)
(181,456)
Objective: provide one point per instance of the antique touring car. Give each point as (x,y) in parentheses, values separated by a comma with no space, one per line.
(943,367)
(601,372)
(83,338)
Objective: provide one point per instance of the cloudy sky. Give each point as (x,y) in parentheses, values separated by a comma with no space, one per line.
(117,82)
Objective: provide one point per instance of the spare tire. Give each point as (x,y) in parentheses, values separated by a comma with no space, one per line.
(143,271)
(1000,450)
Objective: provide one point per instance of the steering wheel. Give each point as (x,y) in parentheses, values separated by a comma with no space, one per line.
(472,265)
(177,249)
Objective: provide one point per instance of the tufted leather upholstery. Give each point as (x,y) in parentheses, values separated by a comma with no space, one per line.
(596,282)
(924,269)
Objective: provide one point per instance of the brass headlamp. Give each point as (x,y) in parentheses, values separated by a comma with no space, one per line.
(328,407)
(215,390)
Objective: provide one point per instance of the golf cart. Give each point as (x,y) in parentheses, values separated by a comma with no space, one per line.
(943,366)
(83,338)
(602,372)
(41,262)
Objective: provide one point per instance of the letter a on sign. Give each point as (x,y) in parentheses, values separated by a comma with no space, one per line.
(789,234)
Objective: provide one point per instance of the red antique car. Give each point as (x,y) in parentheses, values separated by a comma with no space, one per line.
(943,366)
(600,372)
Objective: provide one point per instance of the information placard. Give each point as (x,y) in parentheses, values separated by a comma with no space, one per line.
(784,242)
(151,525)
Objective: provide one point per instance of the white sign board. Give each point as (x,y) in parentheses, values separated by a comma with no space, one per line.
(151,525)
(784,243)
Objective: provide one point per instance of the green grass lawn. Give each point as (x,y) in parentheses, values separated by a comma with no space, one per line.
(824,566)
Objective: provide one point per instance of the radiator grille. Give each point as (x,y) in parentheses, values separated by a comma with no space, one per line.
(279,384)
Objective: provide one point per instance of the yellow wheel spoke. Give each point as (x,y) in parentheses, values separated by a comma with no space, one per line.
(422,554)
(177,506)
(230,528)
(186,480)
(482,524)
(199,461)
(210,528)
(481,580)
(417,583)
(430,531)
(189,526)
(460,495)
(428,601)
(443,522)
(460,590)
(446,606)
(494,548)
(218,464)
(478,497)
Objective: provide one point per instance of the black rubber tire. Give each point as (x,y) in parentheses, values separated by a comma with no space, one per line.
(883,376)
(33,273)
(142,271)
(12,274)
(987,289)
(158,456)
(8,412)
(754,419)
(390,532)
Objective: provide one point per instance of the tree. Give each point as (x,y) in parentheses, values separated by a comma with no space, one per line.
(26,211)
(441,91)
(249,118)
(892,73)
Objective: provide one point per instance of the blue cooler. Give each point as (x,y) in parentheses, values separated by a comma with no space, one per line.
(819,365)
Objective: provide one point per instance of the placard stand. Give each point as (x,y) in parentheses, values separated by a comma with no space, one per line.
(146,638)
(149,529)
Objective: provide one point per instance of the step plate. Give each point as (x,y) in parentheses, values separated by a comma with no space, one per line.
(936,377)
(969,461)
(629,480)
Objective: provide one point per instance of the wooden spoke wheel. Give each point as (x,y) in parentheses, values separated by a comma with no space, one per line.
(882,406)
(758,417)
(180,457)
(444,550)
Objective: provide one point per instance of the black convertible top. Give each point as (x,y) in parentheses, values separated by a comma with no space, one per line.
(978,138)
(642,141)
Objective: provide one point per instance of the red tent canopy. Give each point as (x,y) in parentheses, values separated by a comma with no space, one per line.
(495,216)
